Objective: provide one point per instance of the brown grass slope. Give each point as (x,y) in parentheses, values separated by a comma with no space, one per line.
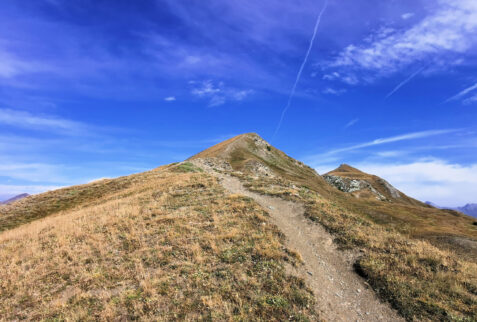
(381,185)
(444,228)
(418,258)
(421,281)
(169,245)
(45,204)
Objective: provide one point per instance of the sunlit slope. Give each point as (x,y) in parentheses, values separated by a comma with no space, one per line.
(45,204)
(249,153)
(170,246)
(445,228)
(383,187)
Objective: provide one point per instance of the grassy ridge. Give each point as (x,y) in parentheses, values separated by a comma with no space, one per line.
(173,247)
(420,280)
(42,205)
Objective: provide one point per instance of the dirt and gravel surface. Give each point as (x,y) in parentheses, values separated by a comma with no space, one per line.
(341,294)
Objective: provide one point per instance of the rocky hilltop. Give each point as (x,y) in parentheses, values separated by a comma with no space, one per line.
(364,185)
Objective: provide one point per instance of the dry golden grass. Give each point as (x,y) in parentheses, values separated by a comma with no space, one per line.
(42,205)
(171,246)
(421,281)
(418,258)
(443,228)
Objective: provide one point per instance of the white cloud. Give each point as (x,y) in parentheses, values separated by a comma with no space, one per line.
(430,180)
(462,93)
(207,88)
(403,137)
(33,172)
(470,100)
(391,153)
(332,91)
(449,29)
(217,101)
(13,190)
(170,99)
(240,95)
(407,15)
(218,94)
(348,78)
(351,123)
(26,120)
(11,66)
(444,183)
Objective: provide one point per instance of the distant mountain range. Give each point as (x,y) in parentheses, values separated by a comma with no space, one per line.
(21,196)
(469,209)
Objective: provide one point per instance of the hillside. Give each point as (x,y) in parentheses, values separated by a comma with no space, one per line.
(364,185)
(249,153)
(169,245)
(239,231)
(377,199)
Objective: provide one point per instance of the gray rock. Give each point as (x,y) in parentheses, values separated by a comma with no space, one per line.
(352,185)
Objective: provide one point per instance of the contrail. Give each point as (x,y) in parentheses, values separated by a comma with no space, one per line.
(298,76)
(407,80)
(462,93)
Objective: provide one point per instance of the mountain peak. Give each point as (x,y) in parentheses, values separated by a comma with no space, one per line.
(251,154)
(347,168)
(239,148)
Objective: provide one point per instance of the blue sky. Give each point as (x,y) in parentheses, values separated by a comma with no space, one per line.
(92,89)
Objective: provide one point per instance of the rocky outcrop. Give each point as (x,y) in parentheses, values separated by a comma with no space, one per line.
(258,169)
(352,185)
(392,191)
(253,167)
(212,164)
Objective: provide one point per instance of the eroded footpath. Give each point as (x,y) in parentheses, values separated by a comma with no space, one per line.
(341,295)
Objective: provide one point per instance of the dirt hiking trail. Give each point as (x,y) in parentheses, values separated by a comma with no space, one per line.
(341,294)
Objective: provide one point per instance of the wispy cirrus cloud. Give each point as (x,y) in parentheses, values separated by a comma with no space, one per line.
(392,139)
(426,179)
(33,172)
(462,93)
(470,100)
(449,29)
(7,191)
(29,121)
(10,66)
(333,91)
(217,93)
(351,123)
(435,180)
